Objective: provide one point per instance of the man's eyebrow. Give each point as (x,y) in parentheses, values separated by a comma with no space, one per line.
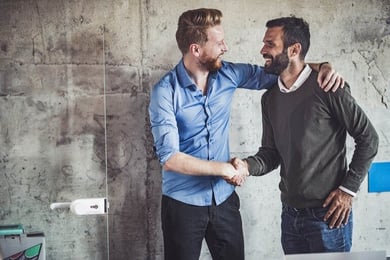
(270,42)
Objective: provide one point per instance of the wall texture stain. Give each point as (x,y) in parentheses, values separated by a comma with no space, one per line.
(63,62)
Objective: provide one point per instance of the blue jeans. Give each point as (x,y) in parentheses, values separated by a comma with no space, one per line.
(304,231)
(185,226)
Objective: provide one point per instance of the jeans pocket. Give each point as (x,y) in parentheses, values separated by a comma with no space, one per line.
(319,213)
(233,202)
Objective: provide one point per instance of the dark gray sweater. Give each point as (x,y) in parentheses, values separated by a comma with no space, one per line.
(305,133)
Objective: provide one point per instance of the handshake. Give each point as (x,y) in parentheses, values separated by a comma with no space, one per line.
(237,171)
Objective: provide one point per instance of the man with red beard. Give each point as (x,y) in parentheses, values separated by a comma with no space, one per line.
(304,132)
(190,117)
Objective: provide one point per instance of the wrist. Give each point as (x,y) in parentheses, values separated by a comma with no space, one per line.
(322,63)
(228,170)
(347,191)
(246,166)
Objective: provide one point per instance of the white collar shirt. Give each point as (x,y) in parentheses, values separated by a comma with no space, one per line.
(299,82)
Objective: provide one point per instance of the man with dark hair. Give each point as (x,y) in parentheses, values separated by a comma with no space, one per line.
(190,117)
(304,132)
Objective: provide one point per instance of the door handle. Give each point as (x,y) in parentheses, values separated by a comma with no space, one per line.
(88,206)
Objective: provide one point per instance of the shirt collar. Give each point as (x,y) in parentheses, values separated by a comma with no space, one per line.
(182,75)
(303,76)
(185,79)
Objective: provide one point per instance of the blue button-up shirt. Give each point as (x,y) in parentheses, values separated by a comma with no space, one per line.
(183,119)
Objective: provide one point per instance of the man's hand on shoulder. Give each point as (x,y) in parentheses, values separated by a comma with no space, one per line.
(328,78)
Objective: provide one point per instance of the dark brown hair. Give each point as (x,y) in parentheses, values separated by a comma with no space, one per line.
(295,30)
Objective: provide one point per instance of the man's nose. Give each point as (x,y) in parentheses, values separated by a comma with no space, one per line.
(225,47)
(262,51)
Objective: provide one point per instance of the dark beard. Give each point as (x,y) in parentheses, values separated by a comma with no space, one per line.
(278,63)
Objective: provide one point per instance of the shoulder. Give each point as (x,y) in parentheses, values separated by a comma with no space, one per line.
(270,93)
(166,81)
(164,88)
(339,93)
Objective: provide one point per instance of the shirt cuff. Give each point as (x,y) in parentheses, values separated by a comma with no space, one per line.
(353,194)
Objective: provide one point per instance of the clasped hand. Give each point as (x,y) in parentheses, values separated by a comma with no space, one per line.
(240,172)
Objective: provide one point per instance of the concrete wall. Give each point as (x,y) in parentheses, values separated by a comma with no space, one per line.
(58,58)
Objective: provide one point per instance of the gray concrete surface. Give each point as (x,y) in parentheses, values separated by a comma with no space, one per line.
(58,58)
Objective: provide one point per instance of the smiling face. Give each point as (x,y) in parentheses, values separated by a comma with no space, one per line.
(213,49)
(273,51)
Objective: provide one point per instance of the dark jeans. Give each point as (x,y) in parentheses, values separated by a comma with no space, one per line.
(185,226)
(304,231)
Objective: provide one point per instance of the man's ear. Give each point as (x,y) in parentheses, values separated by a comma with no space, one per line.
(294,50)
(195,49)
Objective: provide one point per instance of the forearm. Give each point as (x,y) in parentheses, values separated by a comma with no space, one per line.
(190,165)
(364,134)
(267,157)
(264,161)
(365,150)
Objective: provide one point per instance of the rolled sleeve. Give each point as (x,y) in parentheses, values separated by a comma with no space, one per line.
(163,122)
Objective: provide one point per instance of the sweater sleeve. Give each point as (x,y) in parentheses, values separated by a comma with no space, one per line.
(359,127)
(267,158)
